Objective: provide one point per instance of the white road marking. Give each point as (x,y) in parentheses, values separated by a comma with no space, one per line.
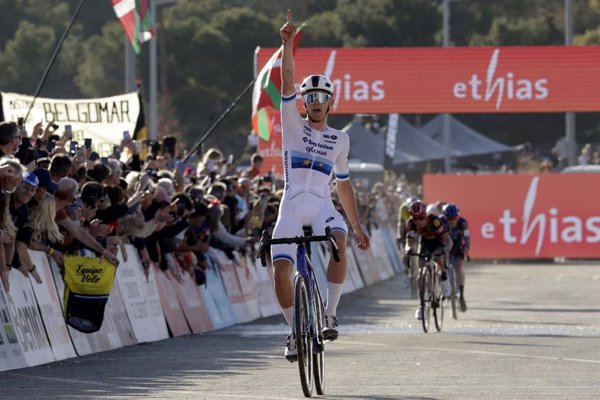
(355,343)
(234,396)
(559,277)
(64,380)
(495,353)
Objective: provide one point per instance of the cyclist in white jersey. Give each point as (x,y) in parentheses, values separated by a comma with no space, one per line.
(312,151)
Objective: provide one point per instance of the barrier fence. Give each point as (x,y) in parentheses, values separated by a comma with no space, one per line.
(525,215)
(153,306)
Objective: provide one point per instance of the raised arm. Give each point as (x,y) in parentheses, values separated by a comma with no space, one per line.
(288,33)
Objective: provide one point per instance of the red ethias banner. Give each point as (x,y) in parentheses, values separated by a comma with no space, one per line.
(525,216)
(455,80)
(271,150)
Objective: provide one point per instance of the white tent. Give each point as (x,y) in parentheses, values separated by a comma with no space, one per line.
(464,141)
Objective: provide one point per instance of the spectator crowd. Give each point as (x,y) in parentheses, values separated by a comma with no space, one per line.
(60,198)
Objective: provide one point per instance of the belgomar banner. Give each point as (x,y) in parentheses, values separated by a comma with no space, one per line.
(455,80)
(102,119)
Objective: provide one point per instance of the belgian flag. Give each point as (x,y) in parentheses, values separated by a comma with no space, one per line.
(140,132)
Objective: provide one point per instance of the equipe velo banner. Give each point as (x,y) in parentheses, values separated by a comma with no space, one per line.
(88,283)
(102,119)
(525,216)
(455,80)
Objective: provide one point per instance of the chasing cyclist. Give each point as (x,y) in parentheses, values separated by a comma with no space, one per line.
(435,241)
(461,243)
(312,151)
(403,217)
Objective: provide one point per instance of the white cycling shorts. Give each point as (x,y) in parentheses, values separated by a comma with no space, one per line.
(305,209)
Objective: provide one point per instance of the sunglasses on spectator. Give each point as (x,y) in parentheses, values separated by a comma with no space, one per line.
(321,97)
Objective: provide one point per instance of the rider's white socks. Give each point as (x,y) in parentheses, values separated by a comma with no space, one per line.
(288,315)
(334,292)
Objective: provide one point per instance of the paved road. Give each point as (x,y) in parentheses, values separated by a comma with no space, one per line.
(531,332)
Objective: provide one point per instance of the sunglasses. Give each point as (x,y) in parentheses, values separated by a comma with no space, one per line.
(321,97)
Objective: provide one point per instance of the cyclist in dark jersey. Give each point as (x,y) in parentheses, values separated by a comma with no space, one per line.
(434,238)
(461,243)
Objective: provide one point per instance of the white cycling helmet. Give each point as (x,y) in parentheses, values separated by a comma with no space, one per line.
(316,83)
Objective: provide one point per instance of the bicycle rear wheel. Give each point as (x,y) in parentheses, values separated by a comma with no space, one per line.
(425,294)
(319,348)
(438,303)
(303,335)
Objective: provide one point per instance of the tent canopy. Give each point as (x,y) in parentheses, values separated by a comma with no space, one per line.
(464,141)
(364,145)
(412,146)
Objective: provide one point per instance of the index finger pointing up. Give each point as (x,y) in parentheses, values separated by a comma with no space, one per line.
(289,15)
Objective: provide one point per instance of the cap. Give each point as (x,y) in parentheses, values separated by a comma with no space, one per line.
(44,179)
(161,195)
(30,179)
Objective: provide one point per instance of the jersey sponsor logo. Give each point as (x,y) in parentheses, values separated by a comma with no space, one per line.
(312,150)
(332,137)
(307,131)
(315,144)
(329,219)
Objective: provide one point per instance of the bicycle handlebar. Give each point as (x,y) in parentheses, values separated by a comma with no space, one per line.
(265,241)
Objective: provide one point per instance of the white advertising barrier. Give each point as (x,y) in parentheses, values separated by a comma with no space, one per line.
(107,338)
(353,279)
(215,297)
(24,313)
(51,310)
(389,238)
(265,289)
(192,304)
(319,263)
(232,286)
(366,264)
(116,313)
(170,304)
(11,354)
(246,280)
(141,298)
(379,251)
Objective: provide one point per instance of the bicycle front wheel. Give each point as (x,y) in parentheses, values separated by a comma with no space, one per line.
(319,347)
(425,295)
(438,304)
(303,335)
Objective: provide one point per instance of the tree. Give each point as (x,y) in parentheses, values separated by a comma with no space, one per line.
(101,73)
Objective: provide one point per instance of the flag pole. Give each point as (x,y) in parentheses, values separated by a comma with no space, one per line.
(218,121)
(53,58)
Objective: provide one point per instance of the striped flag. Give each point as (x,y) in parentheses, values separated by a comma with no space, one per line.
(136,21)
(266,95)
